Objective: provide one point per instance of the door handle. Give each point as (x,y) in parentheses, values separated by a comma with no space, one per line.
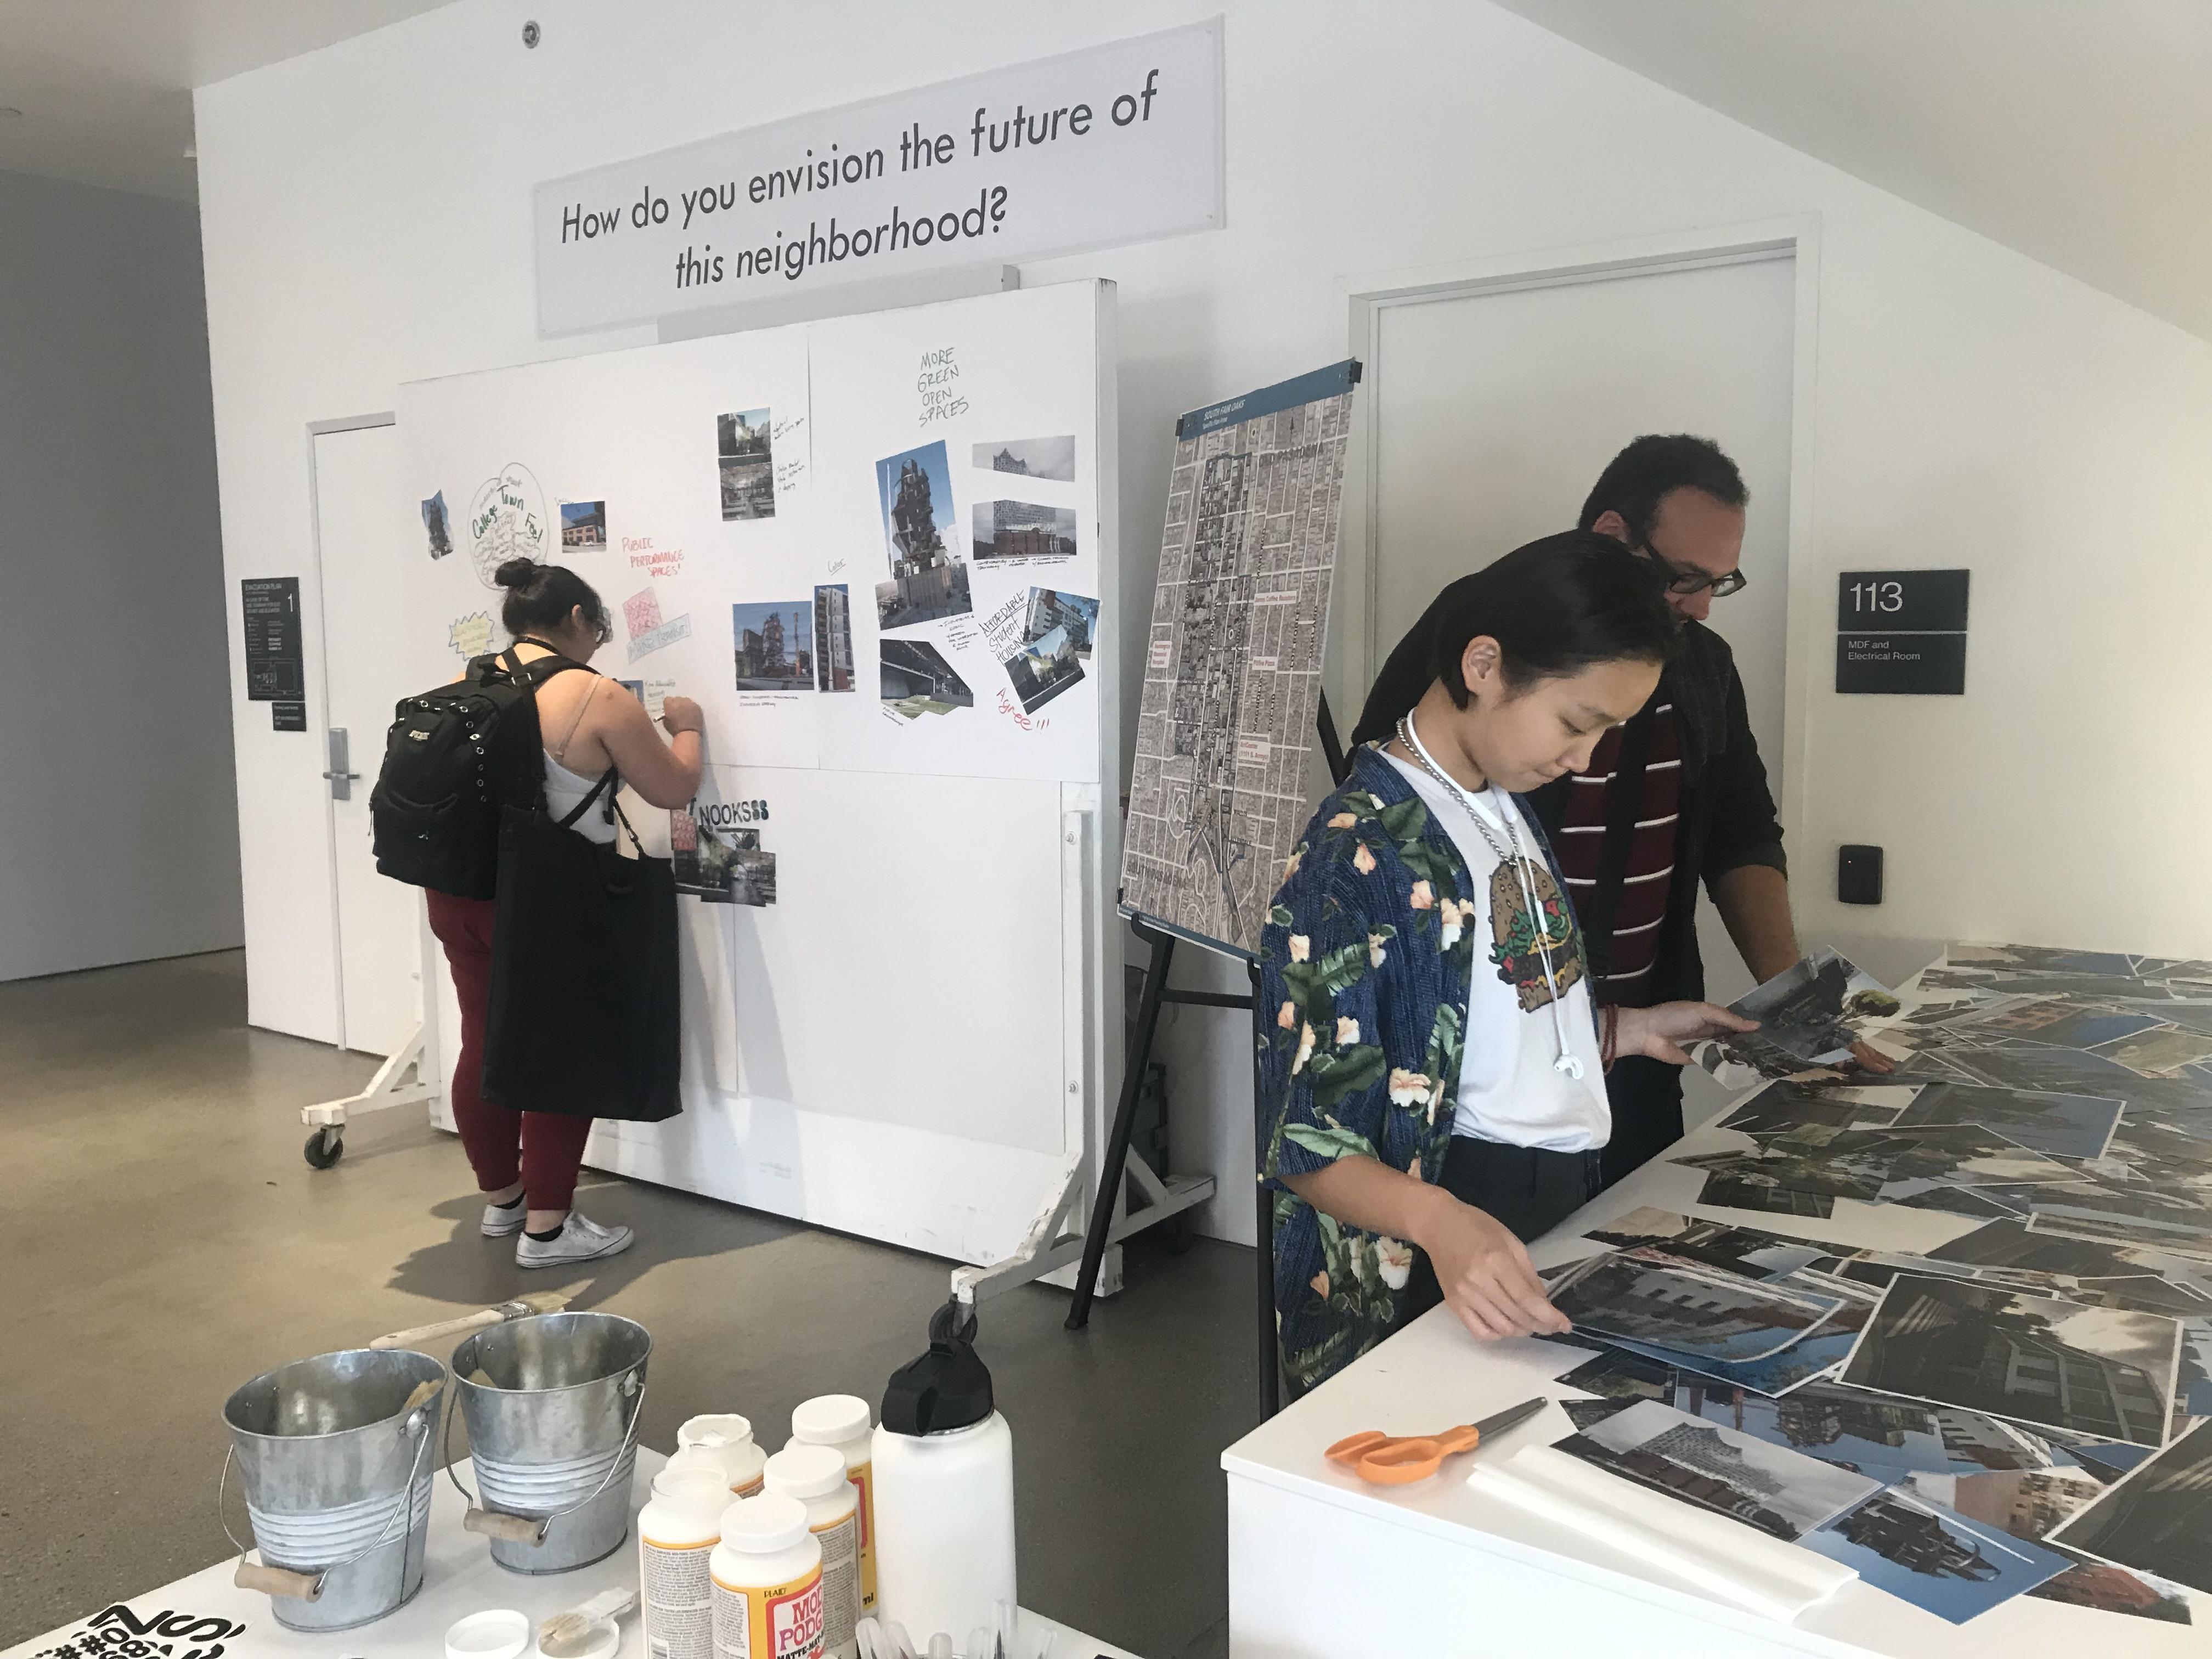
(340,775)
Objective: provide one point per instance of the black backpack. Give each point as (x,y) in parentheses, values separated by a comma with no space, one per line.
(455,755)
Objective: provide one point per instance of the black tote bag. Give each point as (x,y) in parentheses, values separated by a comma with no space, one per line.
(584,1017)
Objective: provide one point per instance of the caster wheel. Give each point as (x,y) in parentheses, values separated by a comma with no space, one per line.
(1181,1235)
(324,1147)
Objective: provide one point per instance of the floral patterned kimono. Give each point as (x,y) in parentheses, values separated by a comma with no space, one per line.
(1365,971)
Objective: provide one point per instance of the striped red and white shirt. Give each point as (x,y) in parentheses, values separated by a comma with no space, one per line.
(1650,871)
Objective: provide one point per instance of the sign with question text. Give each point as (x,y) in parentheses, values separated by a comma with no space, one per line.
(1118,144)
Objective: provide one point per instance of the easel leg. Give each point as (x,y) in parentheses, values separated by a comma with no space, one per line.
(1125,1123)
(1263,1239)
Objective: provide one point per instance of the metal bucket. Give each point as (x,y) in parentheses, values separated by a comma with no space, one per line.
(336,1464)
(553,1438)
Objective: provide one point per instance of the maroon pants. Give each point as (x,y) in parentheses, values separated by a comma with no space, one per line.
(543,1148)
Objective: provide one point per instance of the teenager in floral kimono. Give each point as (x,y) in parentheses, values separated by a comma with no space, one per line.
(1433,1065)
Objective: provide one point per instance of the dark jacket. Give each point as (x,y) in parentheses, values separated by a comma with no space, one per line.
(1728,814)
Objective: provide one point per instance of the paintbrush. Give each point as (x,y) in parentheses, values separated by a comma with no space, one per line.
(566,1634)
(536,1301)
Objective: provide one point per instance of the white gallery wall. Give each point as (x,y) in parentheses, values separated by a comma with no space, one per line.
(119,829)
(367,219)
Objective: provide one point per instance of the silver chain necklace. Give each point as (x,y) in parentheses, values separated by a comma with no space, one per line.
(1508,851)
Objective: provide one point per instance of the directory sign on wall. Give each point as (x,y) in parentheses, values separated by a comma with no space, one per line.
(275,670)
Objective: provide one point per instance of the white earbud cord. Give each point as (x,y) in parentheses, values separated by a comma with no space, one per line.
(1512,852)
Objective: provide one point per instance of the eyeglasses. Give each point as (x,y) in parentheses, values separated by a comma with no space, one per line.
(1686,580)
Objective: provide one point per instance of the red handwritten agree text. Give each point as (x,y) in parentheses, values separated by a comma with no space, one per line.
(1007,708)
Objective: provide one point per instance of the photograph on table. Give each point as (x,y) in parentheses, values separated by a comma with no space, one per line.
(2037,1360)
(2061,1126)
(1617,1374)
(1871,1434)
(1934,1558)
(1814,1355)
(1688,1308)
(2134,1214)
(1753,1190)
(1742,1250)
(1777,1107)
(1777,1490)
(583,526)
(1021,529)
(772,645)
(914,680)
(1811,1017)
(2054,1023)
(744,457)
(2042,959)
(915,491)
(1030,457)
(2158,1519)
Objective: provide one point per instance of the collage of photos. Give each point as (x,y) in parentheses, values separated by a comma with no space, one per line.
(916,680)
(1818,1015)
(927,581)
(1986,1396)
(1054,645)
(719,865)
(436,528)
(772,643)
(744,457)
(583,525)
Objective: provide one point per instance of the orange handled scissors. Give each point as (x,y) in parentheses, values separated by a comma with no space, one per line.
(1391,1460)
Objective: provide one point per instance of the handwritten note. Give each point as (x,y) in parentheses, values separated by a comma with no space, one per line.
(938,380)
(654,560)
(645,644)
(470,635)
(1004,627)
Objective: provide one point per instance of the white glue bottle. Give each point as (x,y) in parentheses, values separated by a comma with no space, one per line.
(676,1533)
(944,1487)
(768,1582)
(815,1475)
(728,1438)
(841,1420)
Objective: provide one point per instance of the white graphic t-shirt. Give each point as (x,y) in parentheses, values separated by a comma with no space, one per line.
(1510,1089)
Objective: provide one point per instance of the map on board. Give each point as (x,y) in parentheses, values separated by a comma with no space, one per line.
(1233,662)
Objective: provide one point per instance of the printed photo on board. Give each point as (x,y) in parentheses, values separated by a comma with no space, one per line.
(1049,607)
(773,645)
(583,524)
(917,680)
(1023,530)
(743,453)
(833,638)
(435,525)
(1043,668)
(1031,457)
(915,491)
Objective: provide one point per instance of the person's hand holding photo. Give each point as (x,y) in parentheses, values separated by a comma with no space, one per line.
(1485,1272)
(1662,1032)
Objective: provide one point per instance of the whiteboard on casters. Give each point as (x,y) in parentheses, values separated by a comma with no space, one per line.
(873,548)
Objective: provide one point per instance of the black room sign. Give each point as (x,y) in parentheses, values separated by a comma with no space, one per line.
(1902,632)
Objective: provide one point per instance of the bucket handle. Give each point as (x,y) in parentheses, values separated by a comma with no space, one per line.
(308,1586)
(520,1529)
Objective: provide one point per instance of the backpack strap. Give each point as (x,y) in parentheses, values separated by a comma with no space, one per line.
(609,783)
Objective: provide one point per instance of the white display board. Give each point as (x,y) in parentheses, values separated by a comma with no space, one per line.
(873,548)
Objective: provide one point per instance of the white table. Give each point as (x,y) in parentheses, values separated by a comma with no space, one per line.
(1323,1567)
(461,1578)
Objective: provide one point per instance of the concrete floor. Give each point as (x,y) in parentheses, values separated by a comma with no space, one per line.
(169,1242)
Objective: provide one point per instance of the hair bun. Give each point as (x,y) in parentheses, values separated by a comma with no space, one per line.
(516,573)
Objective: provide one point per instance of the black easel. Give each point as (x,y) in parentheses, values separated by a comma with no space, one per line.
(1157,991)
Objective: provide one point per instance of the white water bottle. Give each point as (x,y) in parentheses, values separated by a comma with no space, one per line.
(944,1487)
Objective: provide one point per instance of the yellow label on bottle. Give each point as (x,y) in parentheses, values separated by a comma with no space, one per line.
(863,1477)
(780,1621)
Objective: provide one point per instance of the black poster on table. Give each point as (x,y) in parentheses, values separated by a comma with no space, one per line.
(275,669)
(1901,632)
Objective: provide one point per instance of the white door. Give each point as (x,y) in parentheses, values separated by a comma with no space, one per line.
(359,544)
(1496,410)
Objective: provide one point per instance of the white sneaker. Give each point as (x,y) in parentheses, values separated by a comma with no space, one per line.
(500,1220)
(580,1239)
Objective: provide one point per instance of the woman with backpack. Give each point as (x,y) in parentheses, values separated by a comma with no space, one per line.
(526,1161)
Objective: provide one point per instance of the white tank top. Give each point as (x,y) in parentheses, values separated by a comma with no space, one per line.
(564,789)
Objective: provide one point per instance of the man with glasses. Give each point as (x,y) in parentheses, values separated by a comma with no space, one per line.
(1676,796)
